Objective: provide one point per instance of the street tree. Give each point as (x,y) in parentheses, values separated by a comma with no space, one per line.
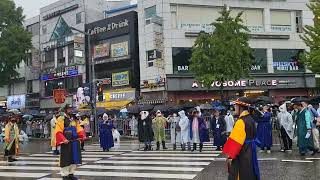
(15,41)
(311,37)
(224,54)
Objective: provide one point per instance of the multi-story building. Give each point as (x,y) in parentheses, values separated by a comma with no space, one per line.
(168,29)
(63,48)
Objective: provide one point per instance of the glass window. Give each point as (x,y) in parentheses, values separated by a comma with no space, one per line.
(78,18)
(70,84)
(260,61)
(71,53)
(34,29)
(181,58)
(44,29)
(29,86)
(299,26)
(287,60)
(49,55)
(150,12)
(61,55)
(280,18)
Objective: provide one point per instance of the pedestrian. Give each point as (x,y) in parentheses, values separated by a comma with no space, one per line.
(11,139)
(23,137)
(175,130)
(159,124)
(218,127)
(241,145)
(105,129)
(304,131)
(264,130)
(315,131)
(69,135)
(83,123)
(116,135)
(41,126)
(145,131)
(229,122)
(55,148)
(45,130)
(29,128)
(134,126)
(198,131)
(286,128)
(184,125)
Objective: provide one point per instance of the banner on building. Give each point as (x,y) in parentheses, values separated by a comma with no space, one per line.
(59,96)
(101,50)
(120,79)
(16,102)
(119,49)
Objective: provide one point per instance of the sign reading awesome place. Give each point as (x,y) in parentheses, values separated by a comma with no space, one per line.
(240,83)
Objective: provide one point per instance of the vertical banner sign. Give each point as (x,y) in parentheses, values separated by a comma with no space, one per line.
(59,96)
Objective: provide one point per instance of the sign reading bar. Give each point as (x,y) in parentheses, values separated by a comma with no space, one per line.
(120,79)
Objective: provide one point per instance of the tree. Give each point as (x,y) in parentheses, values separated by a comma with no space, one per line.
(15,41)
(224,54)
(311,37)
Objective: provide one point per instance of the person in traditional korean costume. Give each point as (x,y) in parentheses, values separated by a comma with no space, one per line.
(240,147)
(264,130)
(11,139)
(159,124)
(54,147)
(69,135)
(105,129)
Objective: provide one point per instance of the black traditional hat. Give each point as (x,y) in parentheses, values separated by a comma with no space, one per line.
(244,101)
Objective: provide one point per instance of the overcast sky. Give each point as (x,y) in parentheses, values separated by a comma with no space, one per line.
(32,7)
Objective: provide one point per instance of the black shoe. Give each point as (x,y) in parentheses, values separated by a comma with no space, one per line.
(65,178)
(164,145)
(194,147)
(174,147)
(107,150)
(104,150)
(146,148)
(10,160)
(71,176)
(314,152)
(158,146)
(14,159)
(200,147)
(149,148)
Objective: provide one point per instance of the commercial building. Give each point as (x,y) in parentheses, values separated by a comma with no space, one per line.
(115,54)
(168,29)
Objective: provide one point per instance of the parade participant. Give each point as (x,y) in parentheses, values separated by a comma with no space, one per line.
(198,131)
(84,122)
(11,139)
(229,122)
(304,132)
(264,130)
(69,134)
(241,145)
(159,124)
(184,125)
(218,127)
(286,128)
(55,148)
(175,130)
(145,132)
(105,129)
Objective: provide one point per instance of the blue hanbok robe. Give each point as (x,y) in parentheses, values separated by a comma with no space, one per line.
(264,131)
(106,139)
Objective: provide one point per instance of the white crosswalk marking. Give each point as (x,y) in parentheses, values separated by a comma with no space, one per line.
(119,162)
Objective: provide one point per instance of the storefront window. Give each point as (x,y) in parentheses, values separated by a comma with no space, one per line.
(70,84)
(260,61)
(287,60)
(181,58)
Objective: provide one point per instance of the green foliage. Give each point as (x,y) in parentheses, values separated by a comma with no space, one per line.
(223,55)
(15,41)
(311,37)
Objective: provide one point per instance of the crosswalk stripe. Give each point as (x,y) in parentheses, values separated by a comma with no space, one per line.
(23,175)
(29,162)
(155,162)
(164,157)
(302,161)
(138,175)
(53,168)
(83,155)
(54,158)
(151,168)
(177,151)
(170,154)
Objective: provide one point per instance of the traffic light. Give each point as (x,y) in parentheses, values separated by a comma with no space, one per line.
(100,91)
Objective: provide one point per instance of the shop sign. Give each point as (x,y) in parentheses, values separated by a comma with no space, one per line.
(122,95)
(61,72)
(101,50)
(197,27)
(16,102)
(277,28)
(240,83)
(59,96)
(151,84)
(120,79)
(119,49)
(286,66)
(59,12)
(109,27)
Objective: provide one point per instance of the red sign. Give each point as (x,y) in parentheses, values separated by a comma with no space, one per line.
(59,96)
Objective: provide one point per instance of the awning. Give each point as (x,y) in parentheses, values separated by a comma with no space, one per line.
(113,104)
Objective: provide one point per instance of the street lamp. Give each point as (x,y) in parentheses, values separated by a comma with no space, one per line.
(91,78)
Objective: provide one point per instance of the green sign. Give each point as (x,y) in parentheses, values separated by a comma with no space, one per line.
(120,79)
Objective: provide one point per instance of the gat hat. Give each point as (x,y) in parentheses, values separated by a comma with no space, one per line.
(244,101)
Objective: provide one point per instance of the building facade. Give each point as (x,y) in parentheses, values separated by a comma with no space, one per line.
(115,55)
(168,29)
(63,62)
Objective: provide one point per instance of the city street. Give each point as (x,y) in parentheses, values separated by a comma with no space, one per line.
(126,161)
